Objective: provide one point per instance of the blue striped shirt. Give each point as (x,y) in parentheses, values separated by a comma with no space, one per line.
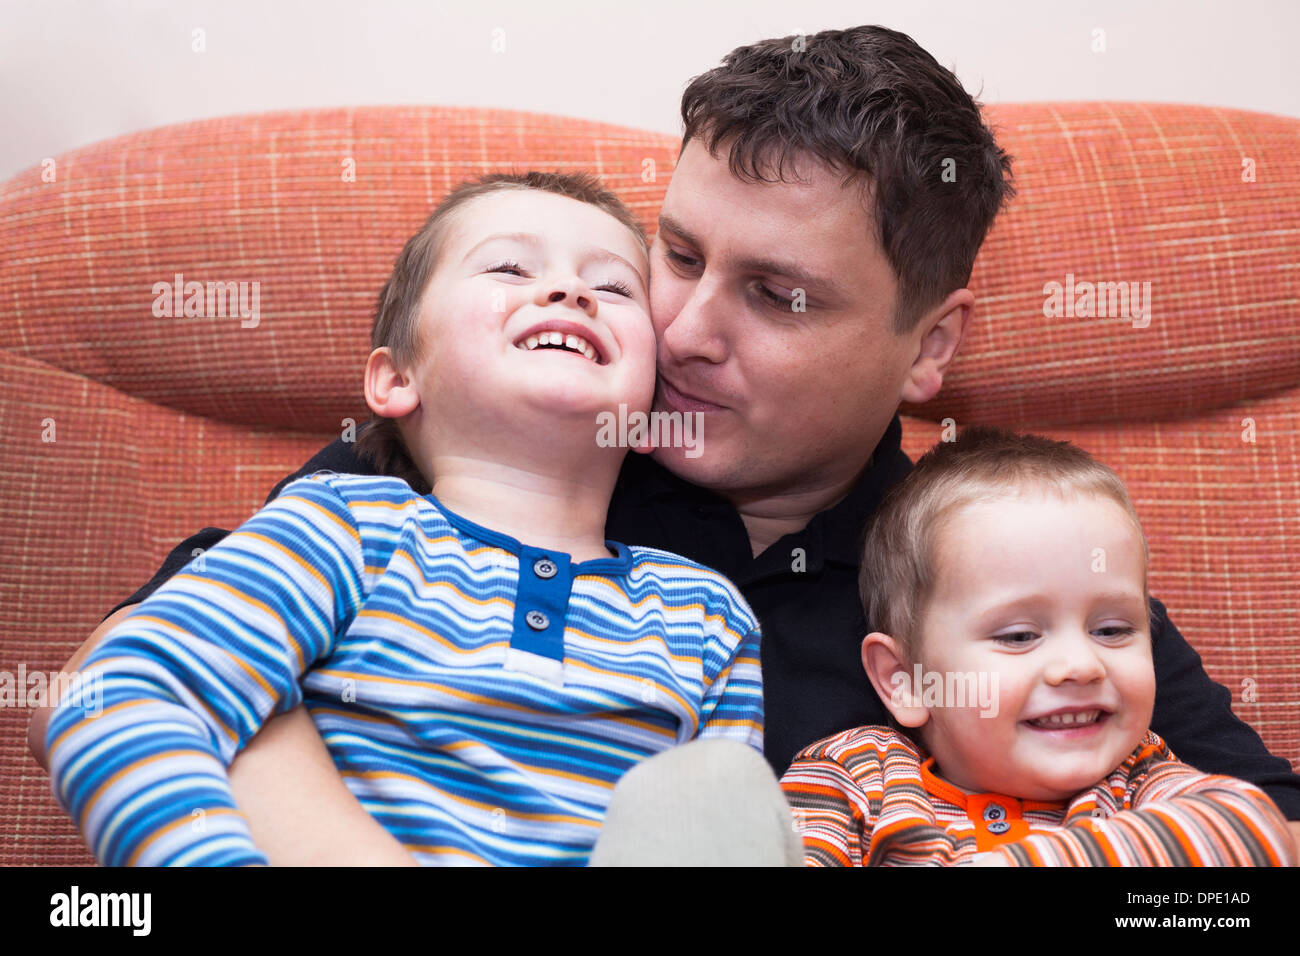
(480,697)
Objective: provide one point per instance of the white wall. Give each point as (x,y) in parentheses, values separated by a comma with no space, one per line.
(76,71)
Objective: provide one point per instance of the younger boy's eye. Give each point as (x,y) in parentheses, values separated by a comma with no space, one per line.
(1114,631)
(507,266)
(1017,638)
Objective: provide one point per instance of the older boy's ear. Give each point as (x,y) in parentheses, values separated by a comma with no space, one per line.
(887,669)
(389,393)
(941,331)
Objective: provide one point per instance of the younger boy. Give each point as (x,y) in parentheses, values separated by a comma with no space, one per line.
(482,665)
(1016,564)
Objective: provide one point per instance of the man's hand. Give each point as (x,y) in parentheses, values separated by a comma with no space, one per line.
(299,810)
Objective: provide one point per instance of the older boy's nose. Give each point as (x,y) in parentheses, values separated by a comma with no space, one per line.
(572,293)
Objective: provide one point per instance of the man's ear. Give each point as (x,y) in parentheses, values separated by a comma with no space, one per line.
(893,679)
(941,332)
(389,392)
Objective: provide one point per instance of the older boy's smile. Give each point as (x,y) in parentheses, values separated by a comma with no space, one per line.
(554,334)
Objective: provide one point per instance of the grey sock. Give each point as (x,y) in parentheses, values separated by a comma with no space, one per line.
(705,803)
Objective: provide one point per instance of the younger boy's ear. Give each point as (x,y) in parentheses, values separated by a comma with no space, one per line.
(893,679)
(389,393)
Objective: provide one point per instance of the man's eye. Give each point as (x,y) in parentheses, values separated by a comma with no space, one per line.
(507,266)
(686,262)
(779,301)
(615,285)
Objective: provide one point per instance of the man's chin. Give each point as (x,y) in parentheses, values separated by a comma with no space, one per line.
(706,468)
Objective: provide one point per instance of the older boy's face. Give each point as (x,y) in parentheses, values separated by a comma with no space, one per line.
(1047,595)
(772,305)
(536,315)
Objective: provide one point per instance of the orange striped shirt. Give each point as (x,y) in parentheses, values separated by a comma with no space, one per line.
(869,797)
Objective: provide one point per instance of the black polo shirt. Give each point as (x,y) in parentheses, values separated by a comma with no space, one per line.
(804,589)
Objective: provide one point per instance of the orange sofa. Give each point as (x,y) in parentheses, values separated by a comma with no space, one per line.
(124,431)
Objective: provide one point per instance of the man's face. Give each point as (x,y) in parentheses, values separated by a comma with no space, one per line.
(796,388)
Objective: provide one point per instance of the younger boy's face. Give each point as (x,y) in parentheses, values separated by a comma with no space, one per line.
(1046,595)
(536,318)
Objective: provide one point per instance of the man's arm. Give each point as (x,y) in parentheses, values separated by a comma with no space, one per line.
(299,810)
(1194,716)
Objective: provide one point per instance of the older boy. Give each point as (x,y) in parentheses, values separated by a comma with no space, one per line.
(482,663)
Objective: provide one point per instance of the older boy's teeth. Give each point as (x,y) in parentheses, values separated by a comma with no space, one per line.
(1067,720)
(530,342)
(590,353)
(573,342)
(557,338)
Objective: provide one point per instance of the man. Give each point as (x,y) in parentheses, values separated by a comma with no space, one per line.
(807,277)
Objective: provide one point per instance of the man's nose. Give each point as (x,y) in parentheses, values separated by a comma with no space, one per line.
(1075,658)
(572,291)
(698,330)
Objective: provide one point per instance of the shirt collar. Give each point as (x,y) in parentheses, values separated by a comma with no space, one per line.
(832,535)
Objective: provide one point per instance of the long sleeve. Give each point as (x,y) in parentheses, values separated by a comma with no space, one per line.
(733,704)
(192,674)
(338,456)
(859,800)
(830,811)
(1194,714)
(1174,815)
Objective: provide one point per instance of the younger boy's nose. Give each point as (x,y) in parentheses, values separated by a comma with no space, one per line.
(1074,659)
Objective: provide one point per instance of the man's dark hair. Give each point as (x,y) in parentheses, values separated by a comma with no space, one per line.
(870,103)
(397,311)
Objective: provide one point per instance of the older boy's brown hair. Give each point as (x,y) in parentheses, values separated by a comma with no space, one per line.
(397,313)
(984,463)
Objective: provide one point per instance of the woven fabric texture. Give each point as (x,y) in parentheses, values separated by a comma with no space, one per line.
(164,424)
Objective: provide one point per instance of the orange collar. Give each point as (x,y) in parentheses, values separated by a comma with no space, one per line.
(997,817)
